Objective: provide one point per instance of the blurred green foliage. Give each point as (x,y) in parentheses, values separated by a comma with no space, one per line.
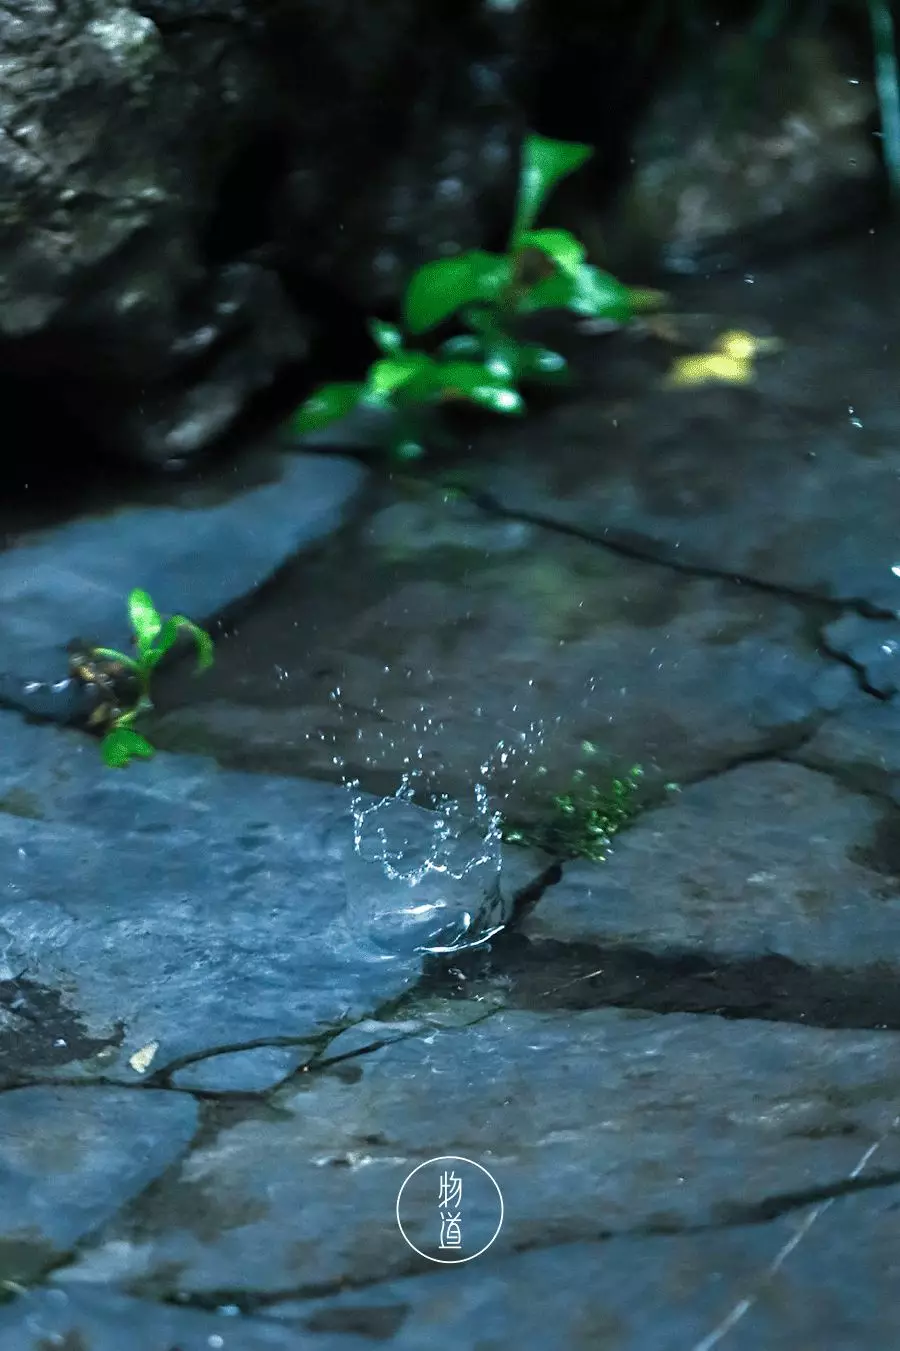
(484,293)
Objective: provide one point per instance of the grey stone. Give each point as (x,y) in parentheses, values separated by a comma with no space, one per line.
(71,1157)
(103,1320)
(601,1123)
(172,909)
(872,645)
(73,581)
(255,1070)
(510,663)
(767,858)
(792,481)
(834,1290)
(370,1033)
(862,746)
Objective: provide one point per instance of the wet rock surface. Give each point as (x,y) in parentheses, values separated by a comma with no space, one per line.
(72,1158)
(397,669)
(196,552)
(774,483)
(680,1064)
(767,859)
(584,1294)
(191,911)
(601,1123)
(106,1321)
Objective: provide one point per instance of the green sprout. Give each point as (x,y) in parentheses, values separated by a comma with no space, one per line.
(542,269)
(582,822)
(154,637)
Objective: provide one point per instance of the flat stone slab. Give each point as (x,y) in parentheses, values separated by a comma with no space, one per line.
(71,1157)
(794,481)
(195,557)
(873,647)
(861,747)
(102,1320)
(601,1123)
(496,659)
(154,914)
(768,858)
(255,1070)
(835,1290)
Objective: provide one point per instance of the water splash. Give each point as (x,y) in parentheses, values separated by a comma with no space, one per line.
(444,862)
(443,865)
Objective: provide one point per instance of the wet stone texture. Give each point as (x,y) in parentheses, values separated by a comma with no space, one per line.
(791,482)
(199,552)
(187,911)
(466,648)
(226,1036)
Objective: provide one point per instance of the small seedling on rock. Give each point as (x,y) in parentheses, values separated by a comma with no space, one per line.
(104,666)
(486,293)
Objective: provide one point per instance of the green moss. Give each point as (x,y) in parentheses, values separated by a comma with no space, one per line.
(582,822)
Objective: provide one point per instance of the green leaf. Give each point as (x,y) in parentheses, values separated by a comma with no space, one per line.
(121,745)
(481,320)
(146,621)
(168,636)
(567,252)
(541,364)
(544,163)
(589,292)
(509,361)
(388,375)
(387,337)
(327,405)
(463,345)
(501,359)
(202,641)
(440,288)
(498,398)
(473,381)
(407,450)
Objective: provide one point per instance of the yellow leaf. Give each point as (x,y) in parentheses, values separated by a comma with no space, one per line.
(705,368)
(141,1061)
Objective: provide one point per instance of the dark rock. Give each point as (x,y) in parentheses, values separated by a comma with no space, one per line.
(603,1123)
(748,149)
(422,142)
(175,910)
(72,1157)
(194,556)
(764,859)
(119,137)
(165,168)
